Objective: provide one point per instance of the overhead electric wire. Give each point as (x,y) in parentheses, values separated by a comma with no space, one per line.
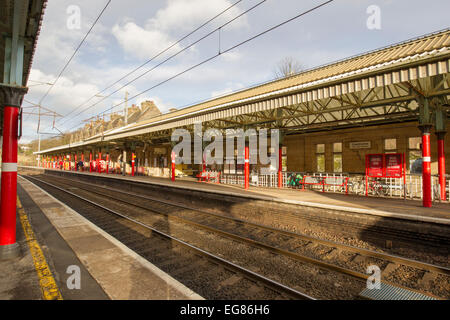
(155,56)
(220,53)
(169,58)
(75,52)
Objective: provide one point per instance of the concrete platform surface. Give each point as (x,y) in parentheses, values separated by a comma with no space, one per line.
(108,269)
(18,277)
(386,207)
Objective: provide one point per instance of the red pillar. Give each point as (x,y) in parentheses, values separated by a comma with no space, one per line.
(82,160)
(441,164)
(90,161)
(280,167)
(99,168)
(173,166)
(76,162)
(132,163)
(107,163)
(204,162)
(8,246)
(246,168)
(426,166)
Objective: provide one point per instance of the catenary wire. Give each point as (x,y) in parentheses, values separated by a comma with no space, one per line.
(220,53)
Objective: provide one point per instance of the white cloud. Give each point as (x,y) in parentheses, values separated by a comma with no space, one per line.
(231,56)
(140,42)
(188,14)
(178,16)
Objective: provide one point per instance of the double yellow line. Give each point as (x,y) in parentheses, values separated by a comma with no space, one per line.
(47,283)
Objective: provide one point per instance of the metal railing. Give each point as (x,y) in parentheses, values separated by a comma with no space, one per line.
(380,187)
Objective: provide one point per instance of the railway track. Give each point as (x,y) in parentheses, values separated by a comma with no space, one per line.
(333,257)
(180,257)
(344,223)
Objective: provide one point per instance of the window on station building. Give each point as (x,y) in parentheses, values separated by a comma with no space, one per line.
(415,154)
(390,145)
(414,143)
(320,157)
(337,157)
(284,158)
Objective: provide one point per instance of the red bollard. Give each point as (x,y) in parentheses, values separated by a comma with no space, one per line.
(246,168)
(426,167)
(8,246)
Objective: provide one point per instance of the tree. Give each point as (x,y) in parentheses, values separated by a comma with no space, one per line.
(287,67)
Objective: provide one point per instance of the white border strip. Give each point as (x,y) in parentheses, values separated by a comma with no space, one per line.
(9,166)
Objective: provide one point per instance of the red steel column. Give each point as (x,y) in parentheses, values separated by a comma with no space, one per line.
(8,246)
(107,163)
(280,167)
(132,163)
(82,160)
(76,162)
(90,161)
(204,163)
(441,164)
(426,166)
(99,167)
(246,168)
(173,166)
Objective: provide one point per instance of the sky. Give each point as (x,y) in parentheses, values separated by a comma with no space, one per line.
(131,32)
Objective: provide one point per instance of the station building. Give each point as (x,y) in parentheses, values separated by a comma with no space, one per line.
(389,100)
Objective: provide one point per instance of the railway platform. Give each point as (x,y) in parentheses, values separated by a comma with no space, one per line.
(64,256)
(411,210)
(166,223)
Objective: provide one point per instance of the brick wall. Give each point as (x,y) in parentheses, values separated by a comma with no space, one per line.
(301,149)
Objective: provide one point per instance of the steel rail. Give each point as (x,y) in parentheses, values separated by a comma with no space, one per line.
(274,285)
(361,251)
(290,254)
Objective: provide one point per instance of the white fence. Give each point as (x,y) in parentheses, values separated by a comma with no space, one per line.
(383,187)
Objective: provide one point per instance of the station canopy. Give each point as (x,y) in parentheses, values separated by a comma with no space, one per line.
(377,87)
(20,23)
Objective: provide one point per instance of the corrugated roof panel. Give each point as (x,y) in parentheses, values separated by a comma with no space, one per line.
(442,40)
(356,63)
(431,44)
(329,73)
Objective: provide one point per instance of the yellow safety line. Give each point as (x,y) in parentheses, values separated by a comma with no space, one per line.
(48,284)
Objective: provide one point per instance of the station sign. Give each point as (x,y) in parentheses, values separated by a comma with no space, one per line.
(360,145)
(374,165)
(385,165)
(394,165)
